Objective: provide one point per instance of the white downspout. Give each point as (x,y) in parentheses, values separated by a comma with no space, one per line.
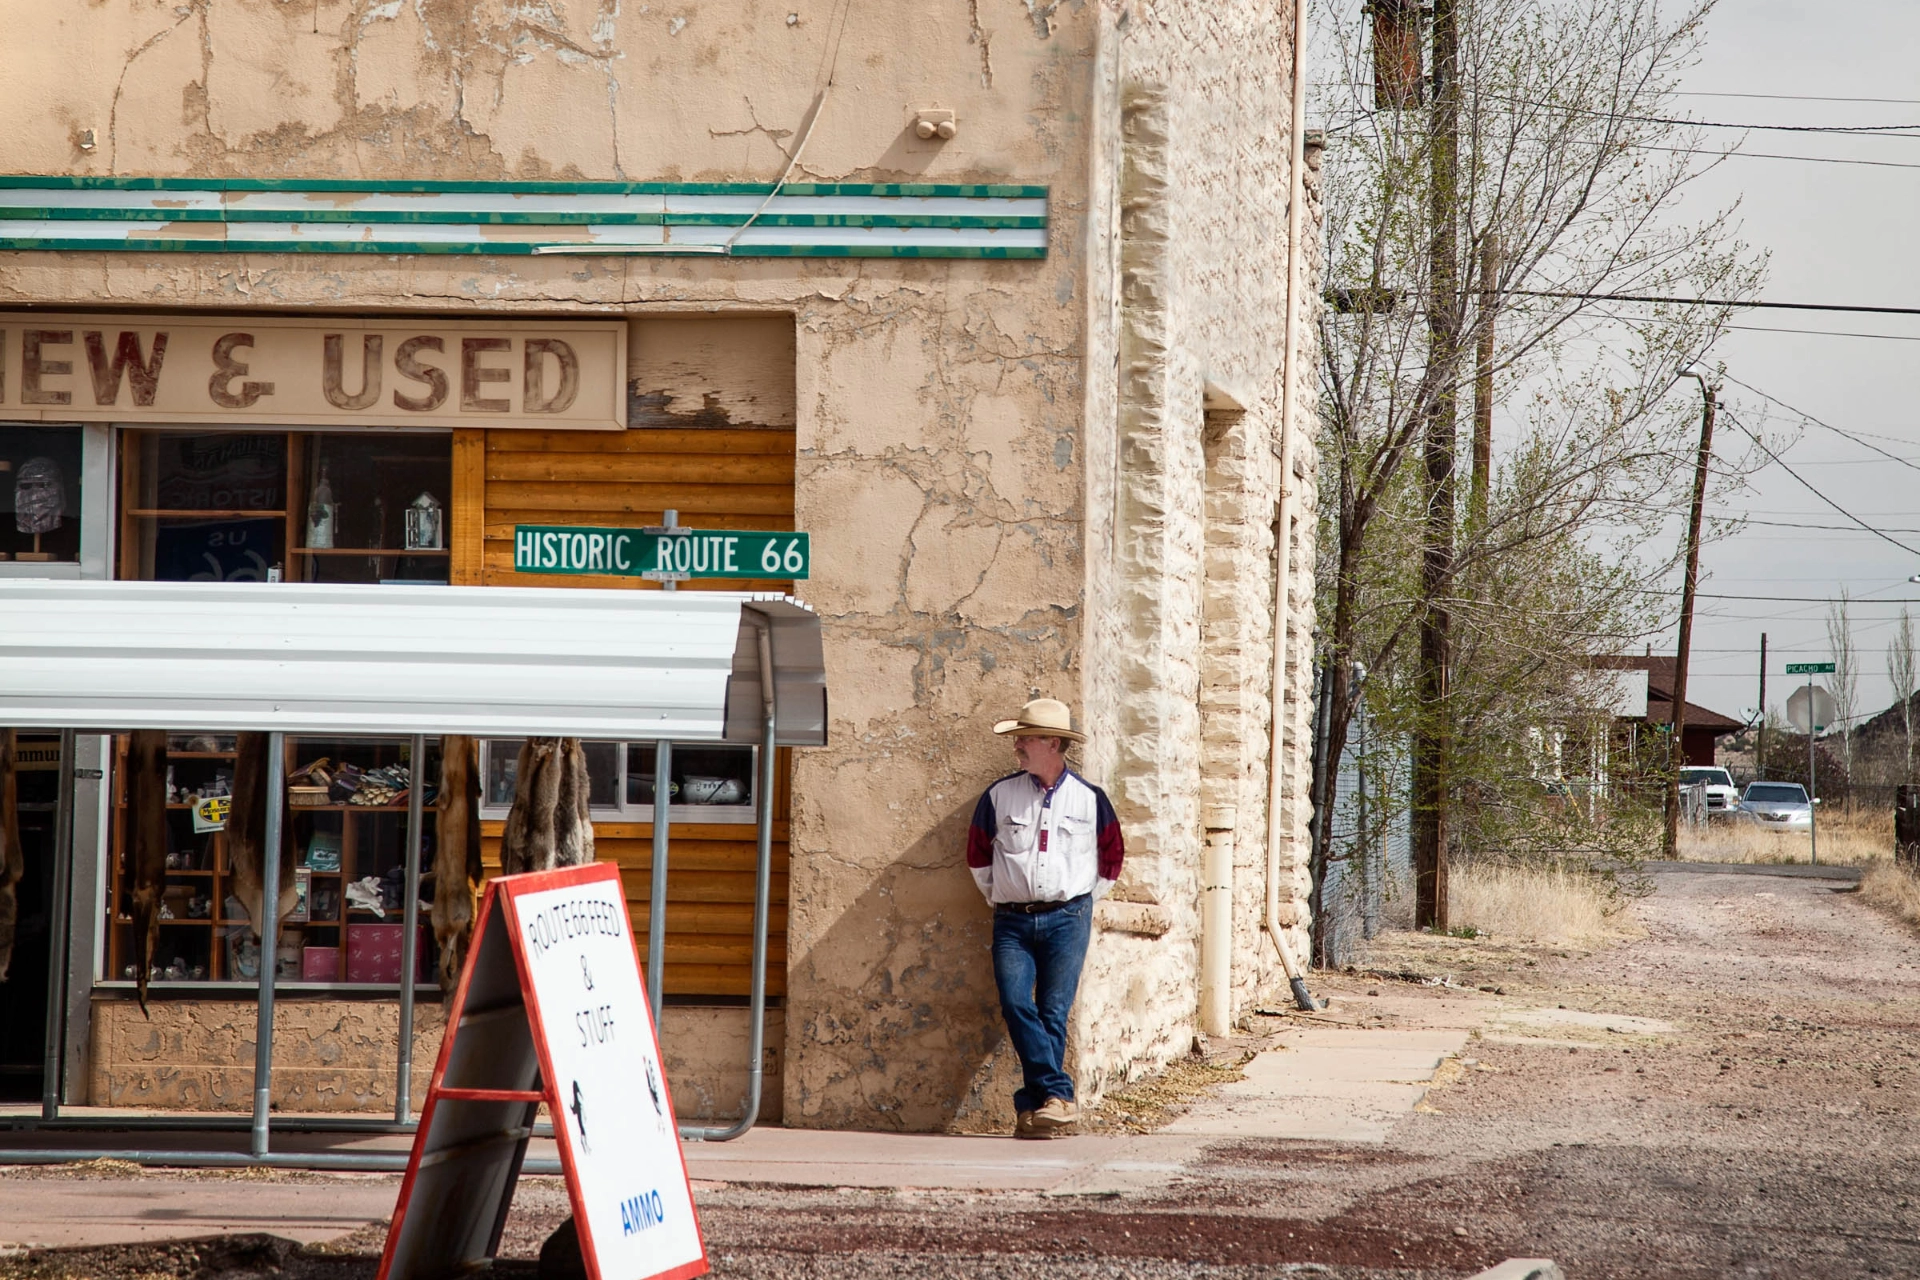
(1277,781)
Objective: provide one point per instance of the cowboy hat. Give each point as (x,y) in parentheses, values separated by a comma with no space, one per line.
(1042,718)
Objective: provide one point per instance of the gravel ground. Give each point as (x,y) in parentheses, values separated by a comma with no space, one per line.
(1763,1125)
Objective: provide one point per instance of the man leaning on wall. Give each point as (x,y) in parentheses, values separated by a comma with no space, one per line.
(1044,847)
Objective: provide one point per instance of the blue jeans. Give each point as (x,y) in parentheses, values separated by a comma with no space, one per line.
(1036,964)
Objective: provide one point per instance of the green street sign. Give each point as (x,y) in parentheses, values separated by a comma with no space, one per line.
(662,555)
(1809,668)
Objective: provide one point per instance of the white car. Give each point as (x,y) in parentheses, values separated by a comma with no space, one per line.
(1777,806)
(1722,796)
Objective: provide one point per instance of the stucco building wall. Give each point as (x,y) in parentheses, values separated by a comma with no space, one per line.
(1004,465)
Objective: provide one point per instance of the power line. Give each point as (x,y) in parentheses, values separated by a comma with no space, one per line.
(1809,486)
(1836,528)
(1776,599)
(1828,333)
(1795,97)
(1688,151)
(1861,130)
(1804,416)
(1716,302)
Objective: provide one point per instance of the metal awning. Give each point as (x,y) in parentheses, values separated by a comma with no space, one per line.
(496,661)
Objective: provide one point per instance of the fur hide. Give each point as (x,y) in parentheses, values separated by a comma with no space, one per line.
(247,841)
(456,855)
(548,825)
(146,844)
(12,861)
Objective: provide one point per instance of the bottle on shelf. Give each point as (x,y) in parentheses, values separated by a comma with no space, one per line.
(321,510)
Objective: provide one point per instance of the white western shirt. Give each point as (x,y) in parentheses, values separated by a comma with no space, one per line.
(1031,843)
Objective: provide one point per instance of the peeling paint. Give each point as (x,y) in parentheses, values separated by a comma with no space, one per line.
(979,516)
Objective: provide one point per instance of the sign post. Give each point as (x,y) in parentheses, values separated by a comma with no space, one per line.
(1816,702)
(550,1009)
(661,553)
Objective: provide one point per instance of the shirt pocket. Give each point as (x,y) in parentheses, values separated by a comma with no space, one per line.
(1076,832)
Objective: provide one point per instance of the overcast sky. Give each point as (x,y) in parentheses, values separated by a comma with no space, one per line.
(1842,233)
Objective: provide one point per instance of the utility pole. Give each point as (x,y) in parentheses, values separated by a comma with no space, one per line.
(1760,751)
(1483,381)
(1432,739)
(1677,746)
(1813,796)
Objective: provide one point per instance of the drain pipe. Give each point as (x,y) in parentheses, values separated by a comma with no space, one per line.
(1282,527)
(762,900)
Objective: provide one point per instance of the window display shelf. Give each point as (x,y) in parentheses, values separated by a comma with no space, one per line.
(402,552)
(341,947)
(185,513)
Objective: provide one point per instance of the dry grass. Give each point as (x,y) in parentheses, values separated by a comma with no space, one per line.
(1892,888)
(1848,837)
(1143,1105)
(1552,905)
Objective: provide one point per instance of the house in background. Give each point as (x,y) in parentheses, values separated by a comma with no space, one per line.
(1703,729)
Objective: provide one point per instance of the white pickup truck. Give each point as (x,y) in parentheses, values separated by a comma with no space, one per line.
(1723,798)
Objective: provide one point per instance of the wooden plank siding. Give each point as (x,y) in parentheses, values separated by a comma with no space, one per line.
(717,478)
(709,899)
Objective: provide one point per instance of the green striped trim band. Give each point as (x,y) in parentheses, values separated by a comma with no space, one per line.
(554,218)
(959,191)
(510,249)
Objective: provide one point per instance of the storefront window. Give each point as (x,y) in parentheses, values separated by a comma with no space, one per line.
(40,469)
(233,506)
(710,783)
(344,834)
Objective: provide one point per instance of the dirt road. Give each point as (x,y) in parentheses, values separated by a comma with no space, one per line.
(1753,1113)
(1733,1092)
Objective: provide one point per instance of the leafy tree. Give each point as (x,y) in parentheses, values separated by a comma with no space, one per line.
(1565,172)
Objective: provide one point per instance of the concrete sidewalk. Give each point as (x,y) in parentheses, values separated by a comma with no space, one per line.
(1349,1075)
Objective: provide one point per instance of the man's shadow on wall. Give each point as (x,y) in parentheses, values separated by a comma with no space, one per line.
(893,1020)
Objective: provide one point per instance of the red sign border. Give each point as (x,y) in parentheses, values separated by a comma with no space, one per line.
(504,890)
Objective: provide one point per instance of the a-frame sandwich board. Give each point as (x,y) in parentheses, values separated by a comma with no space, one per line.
(550,1009)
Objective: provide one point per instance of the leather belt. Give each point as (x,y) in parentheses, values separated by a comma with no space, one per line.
(1034,908)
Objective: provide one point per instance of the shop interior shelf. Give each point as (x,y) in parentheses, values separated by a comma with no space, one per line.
(238,514)
(366,845)
(370,551)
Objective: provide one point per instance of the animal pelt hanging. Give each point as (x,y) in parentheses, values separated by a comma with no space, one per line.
(146,844)
(548,825)
(247,842)
(456,855)
(13,863)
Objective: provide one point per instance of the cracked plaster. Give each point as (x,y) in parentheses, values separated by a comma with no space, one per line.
(957,453)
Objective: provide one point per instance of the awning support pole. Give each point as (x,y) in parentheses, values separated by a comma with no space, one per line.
(54,1070)
(657,900)
(762,903)
(268,927)
(410,940)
